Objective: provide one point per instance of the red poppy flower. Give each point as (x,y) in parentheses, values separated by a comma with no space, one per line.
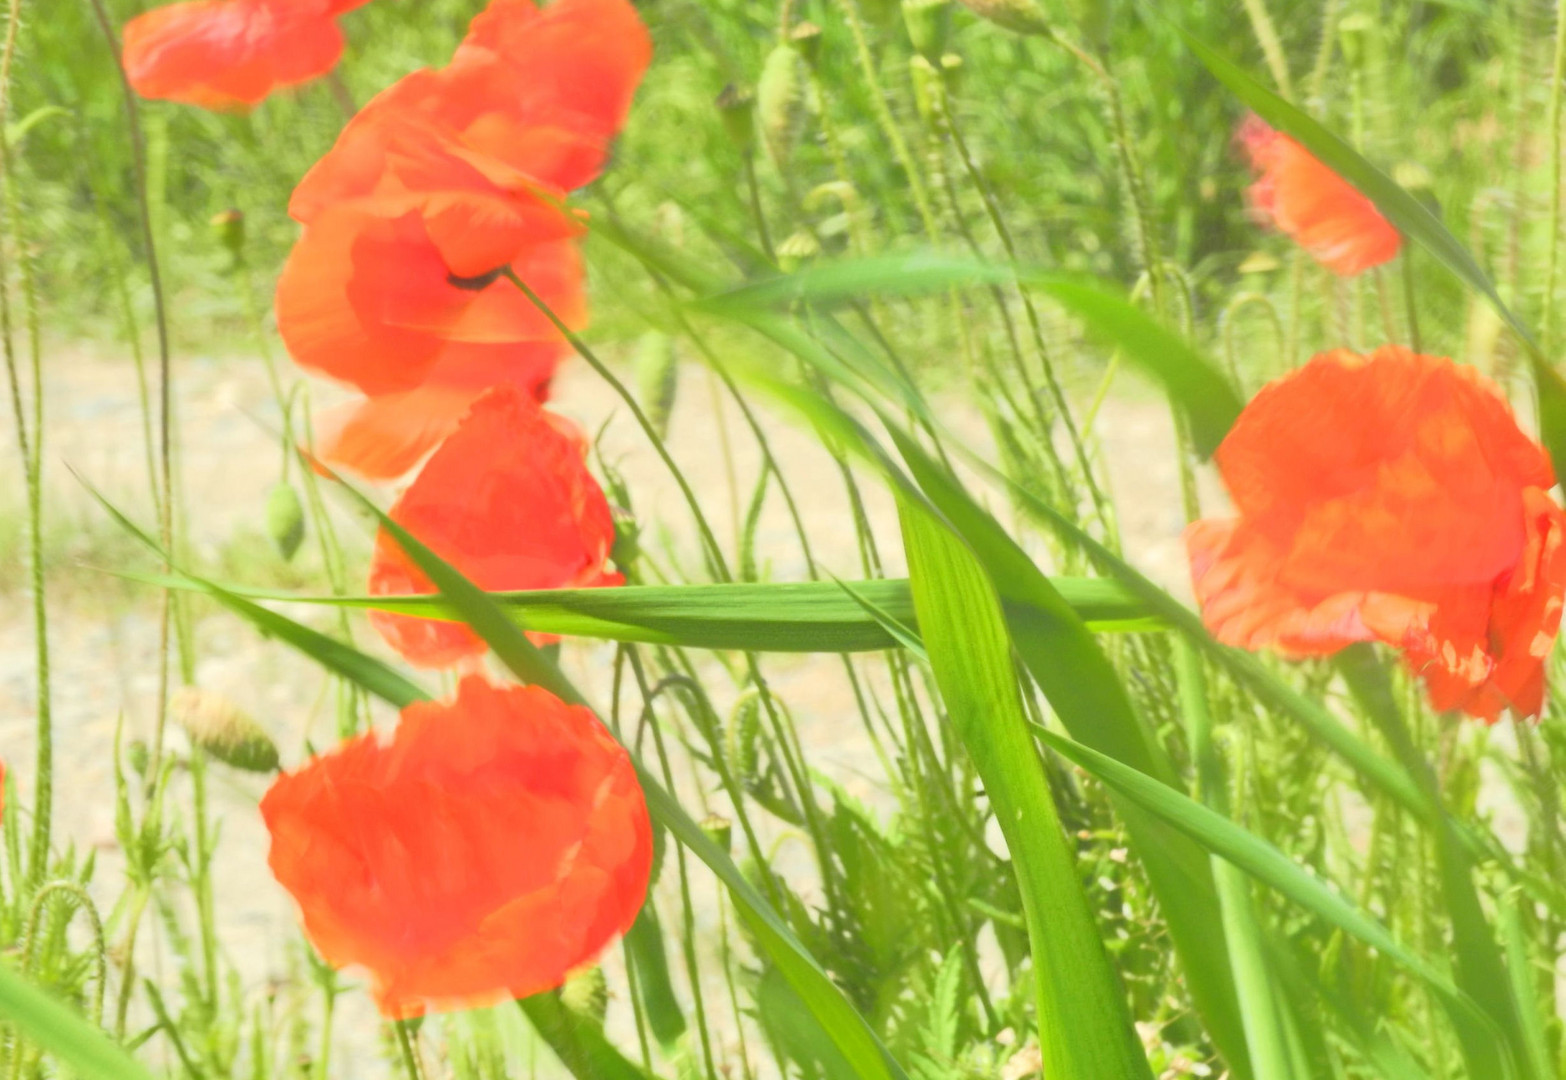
(382,437)
(230,54)
(541,93)
(1389,498)
(507,500)
(1322,212)
(493,845)
(378,301)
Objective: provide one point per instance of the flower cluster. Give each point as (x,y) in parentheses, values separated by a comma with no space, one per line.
(1389,497)
(498,841)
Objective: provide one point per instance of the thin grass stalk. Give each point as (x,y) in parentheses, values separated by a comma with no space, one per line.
(165,386)
(1272,48)
(687,908)
(1035,324)
(30,445)
(709,541)
(1552,261)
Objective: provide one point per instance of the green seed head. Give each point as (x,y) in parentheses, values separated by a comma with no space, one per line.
(928,22)
(285,522)
(780,102)
(735,107)
(217,726)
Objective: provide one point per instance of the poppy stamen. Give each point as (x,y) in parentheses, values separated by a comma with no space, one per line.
(477,283)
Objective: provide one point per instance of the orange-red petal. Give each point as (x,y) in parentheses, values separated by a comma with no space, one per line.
(507,500)
(1322,212)
(382,437)
(372,301)
(1393,471)
(228,54)
(495,843)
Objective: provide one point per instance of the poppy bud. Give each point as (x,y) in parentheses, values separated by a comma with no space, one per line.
(928,22)
(1018,16)
(217,726)
(1415,179)
(230,228)
(952,72)
(657,376)
(780,102)
(797,249)
(285,522)
(138,757)
(720,830)
(586,994)
(806,38)
(627,539)
(1352,32)
(734,107)
(927,89)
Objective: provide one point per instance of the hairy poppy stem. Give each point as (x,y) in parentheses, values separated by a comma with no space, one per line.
(31,447)
(709,540)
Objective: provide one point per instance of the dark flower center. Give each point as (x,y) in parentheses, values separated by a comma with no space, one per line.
(478,283)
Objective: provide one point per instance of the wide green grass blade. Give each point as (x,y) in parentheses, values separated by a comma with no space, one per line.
(1411,217)
(1084,1030)
(579,1044)
(806,617)
(58,1030)
(844,1025)
(1082,687)
(1260,1007)
(1086,693)
(1192,381)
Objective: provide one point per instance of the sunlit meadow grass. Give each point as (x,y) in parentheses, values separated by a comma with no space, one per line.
(942,786)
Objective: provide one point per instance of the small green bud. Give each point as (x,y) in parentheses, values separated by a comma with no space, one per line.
(1018,16)
(657,378)
(1352,33)
(720,830)
(952,71)
(927,89)
(138,757)
(217,726)
(780,102)
(285,522)
(1415,179)
(796,250)
(627,539)
(735,107)
(230,228)
(586,994)
(928,23)
(806,38)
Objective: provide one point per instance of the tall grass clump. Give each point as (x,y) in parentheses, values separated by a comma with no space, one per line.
(598,540)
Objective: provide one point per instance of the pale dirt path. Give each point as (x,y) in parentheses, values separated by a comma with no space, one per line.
(104,652)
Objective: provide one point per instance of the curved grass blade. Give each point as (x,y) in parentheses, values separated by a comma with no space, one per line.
(830,1008)
(1411,217)
(804,617)
(1192,382)
(1084,1030)
(579,1044)
(378,678)
(1082,687)
(1272,867)
(61,1032)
